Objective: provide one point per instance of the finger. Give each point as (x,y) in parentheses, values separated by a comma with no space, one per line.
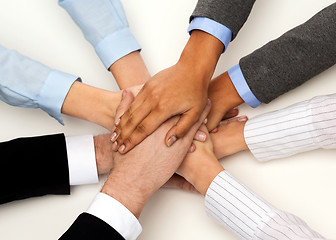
(214,118)
(128,123)
(126,100)
(232,113)
(200,136)
(237,119)
(144,129)
(178,182)
(190,135)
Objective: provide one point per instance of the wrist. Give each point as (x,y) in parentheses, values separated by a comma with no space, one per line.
(223,94)
(128,191)
(201,175)
(202,53)
(130,70)
(91,104)
(103,152)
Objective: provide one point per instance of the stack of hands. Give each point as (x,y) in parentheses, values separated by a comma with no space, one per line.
(170,129)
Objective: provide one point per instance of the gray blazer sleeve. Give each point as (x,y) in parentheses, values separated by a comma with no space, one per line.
(293,58)
(231,13)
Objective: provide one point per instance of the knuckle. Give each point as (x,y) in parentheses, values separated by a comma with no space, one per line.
(141,128)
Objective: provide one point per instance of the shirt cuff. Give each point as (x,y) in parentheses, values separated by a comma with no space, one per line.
(242,87)
(116,215)
(81,160)
(54,91)
(218,30)
(116,45)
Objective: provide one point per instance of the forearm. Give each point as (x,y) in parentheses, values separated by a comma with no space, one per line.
(201,55)
(298,128)
(201,175)
(92,104)
(130,70)
(239,209)
(292,59)
(232,14)
(224,97)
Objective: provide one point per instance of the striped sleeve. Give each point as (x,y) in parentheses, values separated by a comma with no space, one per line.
(298,128)
(248,216)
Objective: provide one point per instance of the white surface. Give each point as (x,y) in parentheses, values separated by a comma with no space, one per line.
(303,185)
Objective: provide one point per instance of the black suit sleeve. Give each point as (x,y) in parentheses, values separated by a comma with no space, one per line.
(90,227)
(32,167)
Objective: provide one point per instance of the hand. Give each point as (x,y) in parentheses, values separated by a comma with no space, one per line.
(178,90)
(223,96)
(137,175)
(201,167)
(228,137)
(104,160)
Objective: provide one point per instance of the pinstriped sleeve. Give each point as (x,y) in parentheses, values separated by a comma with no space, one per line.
(237,208)
(298,128)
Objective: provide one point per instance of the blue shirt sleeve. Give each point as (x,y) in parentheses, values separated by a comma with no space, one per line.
(218,30)
(242,87)
(27,83)
(104,25)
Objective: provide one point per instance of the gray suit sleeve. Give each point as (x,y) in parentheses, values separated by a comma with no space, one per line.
(231,13)
(294,58)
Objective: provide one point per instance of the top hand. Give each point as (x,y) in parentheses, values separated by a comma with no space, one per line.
(180,89)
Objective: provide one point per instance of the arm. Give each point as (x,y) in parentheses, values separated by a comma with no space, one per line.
(234,205)
(302,127)
(282,64)
(161,99)
(214,25)
(104,25)
(133,180)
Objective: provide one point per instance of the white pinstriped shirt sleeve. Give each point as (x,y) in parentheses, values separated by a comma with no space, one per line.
(247,215)
(298,128)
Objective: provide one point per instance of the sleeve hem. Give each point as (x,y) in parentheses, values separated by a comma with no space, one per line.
(239,81)
(115,46)
(54,91)
(218,30)
(116,215)
(81,160)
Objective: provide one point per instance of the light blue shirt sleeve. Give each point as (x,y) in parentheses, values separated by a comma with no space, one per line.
(218,30)
(27,83)
(104,25)
(239,81)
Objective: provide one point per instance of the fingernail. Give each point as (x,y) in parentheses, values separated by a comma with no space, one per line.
(205,121)
(171,140)
(123,94)
(117,122)
(215,130)
(209,101)
(114,146)
(192,148)
(122,148)
(114,136)
(202,137)
(242,119)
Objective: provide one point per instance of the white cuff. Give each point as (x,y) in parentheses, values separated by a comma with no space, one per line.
(116,215)
(81,160)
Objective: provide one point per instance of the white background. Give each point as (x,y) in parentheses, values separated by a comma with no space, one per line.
(303,184)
